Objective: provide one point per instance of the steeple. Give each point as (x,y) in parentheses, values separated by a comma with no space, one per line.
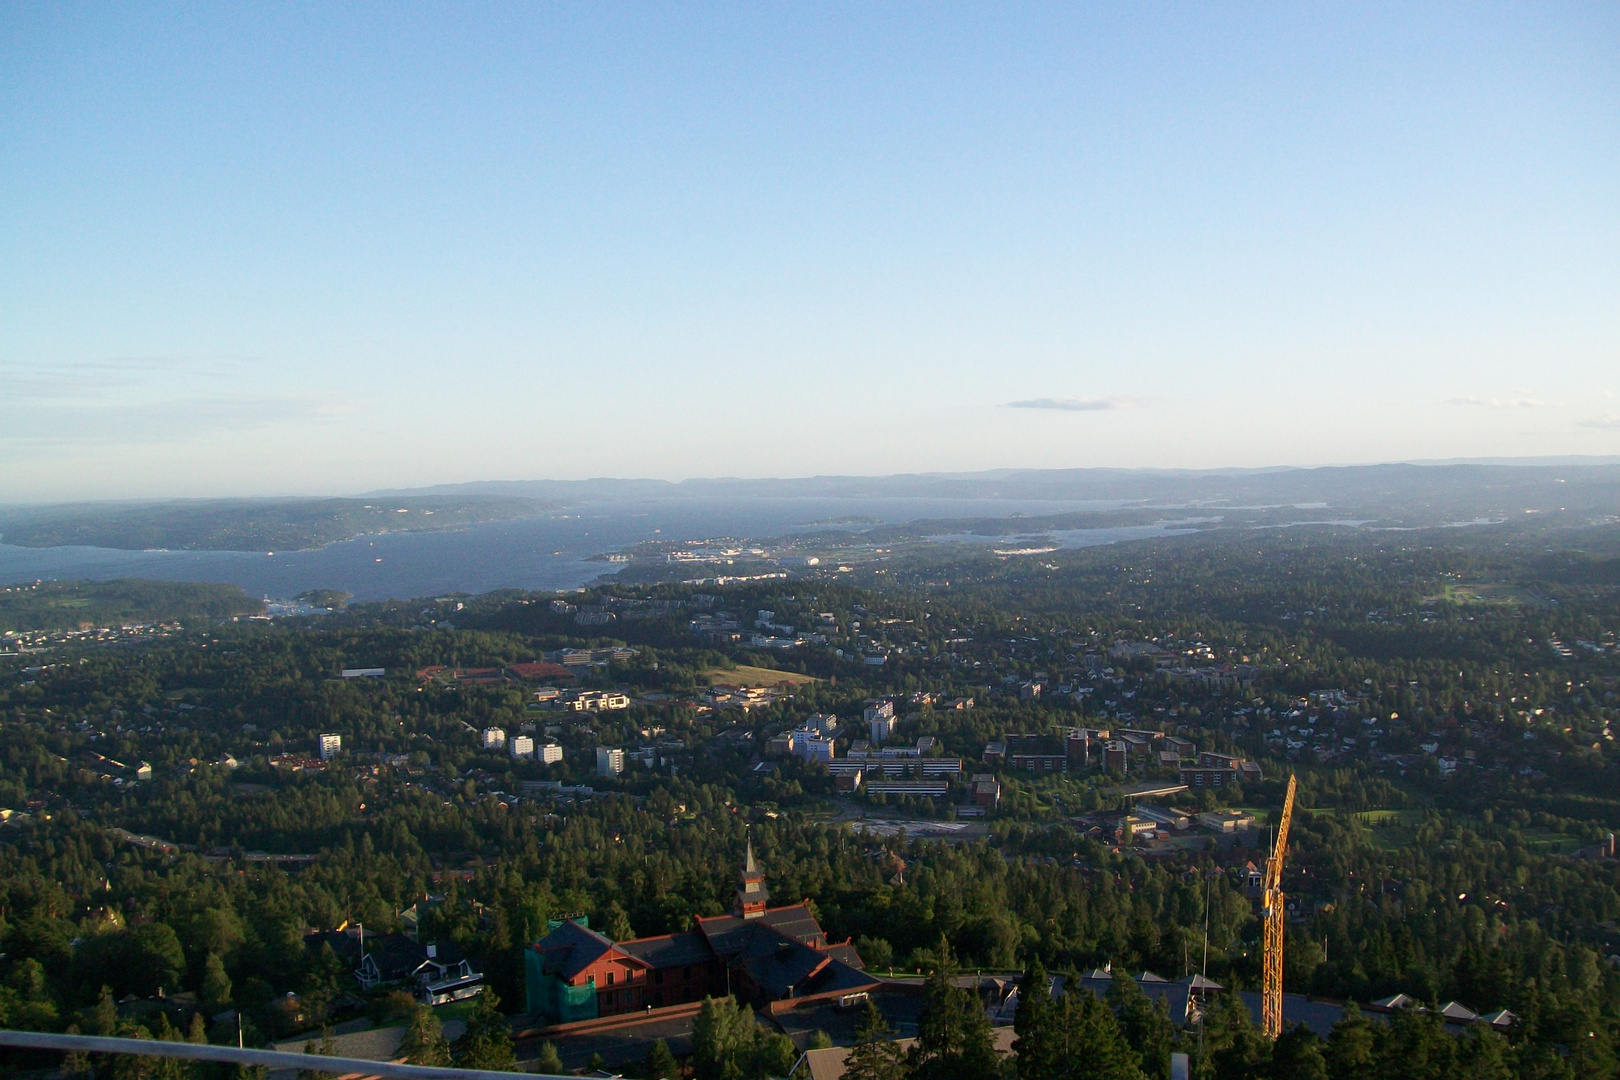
(751,894)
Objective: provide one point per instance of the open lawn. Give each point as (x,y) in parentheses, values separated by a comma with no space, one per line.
(456,1010)
(1459,593)
(756,676)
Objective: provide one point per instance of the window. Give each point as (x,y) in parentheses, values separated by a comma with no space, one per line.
(610,978)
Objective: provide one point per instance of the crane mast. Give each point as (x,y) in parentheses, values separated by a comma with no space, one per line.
(1271,1021)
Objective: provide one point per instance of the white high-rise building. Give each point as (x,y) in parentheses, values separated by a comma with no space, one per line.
(550,753)
(331,746)
(521,747)
(609,761)
(494,738)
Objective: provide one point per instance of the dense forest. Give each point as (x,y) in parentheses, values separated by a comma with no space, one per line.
(85,605)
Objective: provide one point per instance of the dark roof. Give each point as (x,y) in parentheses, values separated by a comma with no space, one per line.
(343,944)
(1319,1016)
(796,922)
(670,950)
(728,935)
(778,964)
(571,948)
(845,953)
(840,977)
(396,956)
(783,967)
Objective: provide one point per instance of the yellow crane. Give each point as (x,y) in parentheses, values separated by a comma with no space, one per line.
(1271,984)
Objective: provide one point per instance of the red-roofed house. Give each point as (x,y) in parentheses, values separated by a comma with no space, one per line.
(775,957)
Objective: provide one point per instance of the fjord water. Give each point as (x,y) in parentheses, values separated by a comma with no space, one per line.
(552,552)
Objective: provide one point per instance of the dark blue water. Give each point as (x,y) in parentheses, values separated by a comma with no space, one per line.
(537,553)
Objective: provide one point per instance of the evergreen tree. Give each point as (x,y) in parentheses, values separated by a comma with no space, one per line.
(1092,1047)
(1592,1055)
(311,1074)
(953,1033)
(1484,1054)
(1145,1024)
(1417,1048)
(875,1056)
(1351,1046)
(1237,1050)
(1297,1055)
(659,1065)
(169,1068)
(773,1055)
(75,1063)
(549,1062)
(487,1042)
(216,985)
(102,1018)
(1035,1045)
(722,1040)
(424,1042)
(616,922)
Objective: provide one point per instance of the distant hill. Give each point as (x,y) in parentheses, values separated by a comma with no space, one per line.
(249,524)
(1558,493)
(72,605)
(1406,494)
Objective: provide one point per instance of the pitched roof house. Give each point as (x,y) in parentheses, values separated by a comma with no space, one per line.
(435,973)
(775,957)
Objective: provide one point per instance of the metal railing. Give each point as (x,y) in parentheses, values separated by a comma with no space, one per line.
(274,1059)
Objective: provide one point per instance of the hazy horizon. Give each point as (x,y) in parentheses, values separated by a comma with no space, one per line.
(252,251)
(711,485)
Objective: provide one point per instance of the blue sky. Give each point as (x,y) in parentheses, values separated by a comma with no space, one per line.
(265,248)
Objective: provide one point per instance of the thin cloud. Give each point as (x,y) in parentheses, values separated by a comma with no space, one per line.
(25,425)
(1069,404)
(1603,423)
(1522,402)
(113,378)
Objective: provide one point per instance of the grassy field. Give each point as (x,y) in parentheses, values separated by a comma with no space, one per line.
(456,1010)
(1391,829)
(1548,842)
(1459,593)
(756,676)
(1383,819)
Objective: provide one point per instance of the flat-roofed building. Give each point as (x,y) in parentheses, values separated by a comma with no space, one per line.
(609,761)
